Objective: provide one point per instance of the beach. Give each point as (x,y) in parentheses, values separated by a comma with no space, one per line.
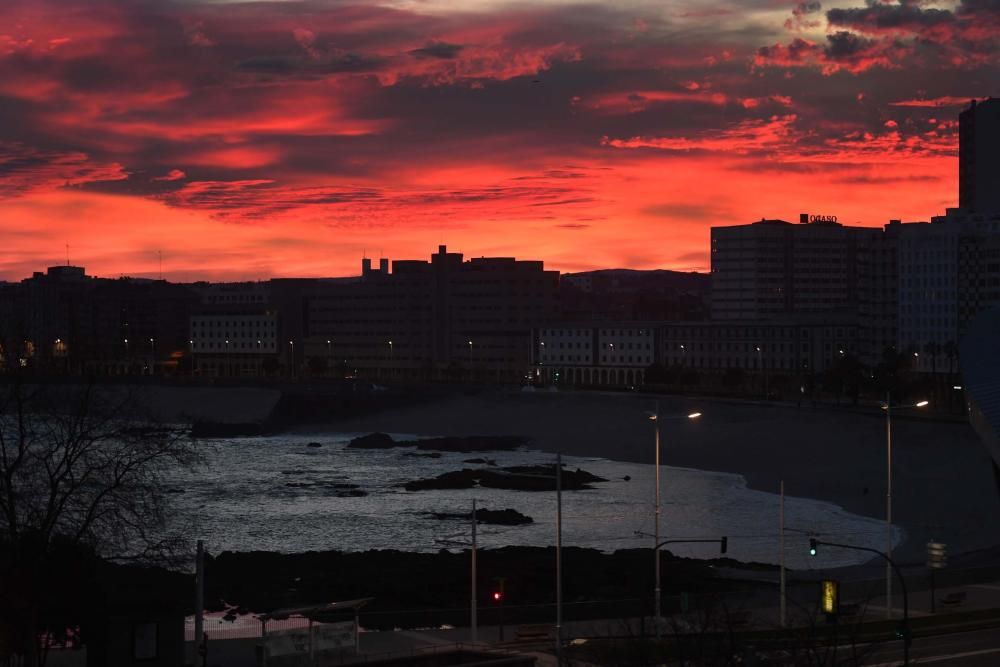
(830,453)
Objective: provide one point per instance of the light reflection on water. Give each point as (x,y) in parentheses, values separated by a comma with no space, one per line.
(277,494)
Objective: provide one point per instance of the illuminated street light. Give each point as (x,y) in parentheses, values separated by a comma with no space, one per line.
(888,406)
(656,418)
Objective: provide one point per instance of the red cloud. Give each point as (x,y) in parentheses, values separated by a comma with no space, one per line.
(743,138)
(301,117)
(24,169)
(844,51)
(172,175)
(936,102)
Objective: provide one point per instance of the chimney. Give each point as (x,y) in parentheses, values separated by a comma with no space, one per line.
(442,249)
(366,266)
(383,265)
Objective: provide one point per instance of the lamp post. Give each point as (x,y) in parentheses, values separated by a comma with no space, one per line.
(470,358)
(656,418)
(888,406)
(229,361)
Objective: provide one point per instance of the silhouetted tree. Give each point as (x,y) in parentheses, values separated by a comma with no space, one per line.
(81,471)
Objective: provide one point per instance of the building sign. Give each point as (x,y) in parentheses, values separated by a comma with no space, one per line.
(809,217)
(829,600)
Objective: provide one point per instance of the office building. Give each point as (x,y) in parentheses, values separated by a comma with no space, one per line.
(607,353)
(979,158)
(447,318)
(774,268)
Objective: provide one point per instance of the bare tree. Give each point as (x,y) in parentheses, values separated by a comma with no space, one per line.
(82,470)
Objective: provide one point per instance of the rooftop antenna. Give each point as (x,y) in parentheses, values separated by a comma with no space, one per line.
(67,254)
(160,254)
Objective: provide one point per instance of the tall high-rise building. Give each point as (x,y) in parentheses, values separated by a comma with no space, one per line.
(775,268)
(979,158)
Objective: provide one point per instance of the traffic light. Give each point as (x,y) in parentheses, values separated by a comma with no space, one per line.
(723,545)
(812,546)
(497,596)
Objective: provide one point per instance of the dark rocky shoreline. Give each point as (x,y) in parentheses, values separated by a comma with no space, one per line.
(504,517)
(513,478)
(436,585)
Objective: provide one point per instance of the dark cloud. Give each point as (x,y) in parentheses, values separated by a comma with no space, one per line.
(802,16)
(882,17)
(259,102)
(440,50)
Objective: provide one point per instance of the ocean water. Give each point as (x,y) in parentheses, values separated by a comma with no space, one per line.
(277,494)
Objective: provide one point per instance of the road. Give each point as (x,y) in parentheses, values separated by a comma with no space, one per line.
(977,648)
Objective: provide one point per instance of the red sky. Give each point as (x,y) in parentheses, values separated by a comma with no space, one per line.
(288,138)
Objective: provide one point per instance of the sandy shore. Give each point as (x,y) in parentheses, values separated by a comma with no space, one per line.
(943,484)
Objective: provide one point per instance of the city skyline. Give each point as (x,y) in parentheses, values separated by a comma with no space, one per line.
(256,140)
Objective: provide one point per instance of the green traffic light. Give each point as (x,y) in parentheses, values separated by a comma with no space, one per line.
(812,547)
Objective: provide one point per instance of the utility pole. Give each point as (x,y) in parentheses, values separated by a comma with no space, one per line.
(781,547)
(656,530)
(199,601)
(888,505)
(559,609)
(473,611)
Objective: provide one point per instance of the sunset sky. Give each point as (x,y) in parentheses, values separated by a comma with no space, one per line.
(289,138)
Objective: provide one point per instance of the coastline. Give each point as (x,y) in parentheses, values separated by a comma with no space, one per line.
(824,453)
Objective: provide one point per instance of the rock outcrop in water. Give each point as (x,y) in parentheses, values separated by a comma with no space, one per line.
(465,443)
(505,517)
(339,489)
(513,478)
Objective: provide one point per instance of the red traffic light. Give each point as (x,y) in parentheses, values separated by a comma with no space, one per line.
(496,596)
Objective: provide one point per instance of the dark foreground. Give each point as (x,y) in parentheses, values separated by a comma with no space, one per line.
(432,589)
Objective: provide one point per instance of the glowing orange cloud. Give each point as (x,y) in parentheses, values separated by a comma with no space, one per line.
(251,139)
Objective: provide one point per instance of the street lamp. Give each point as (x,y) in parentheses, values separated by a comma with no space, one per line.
(888,406)
(291,358)
(656,418)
